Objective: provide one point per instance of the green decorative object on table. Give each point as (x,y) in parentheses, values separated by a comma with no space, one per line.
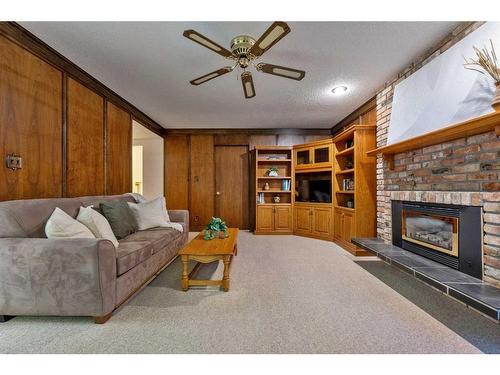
(216,228)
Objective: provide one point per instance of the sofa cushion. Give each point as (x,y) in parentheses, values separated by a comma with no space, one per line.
(149,214)
(61,225)
(130,253)
(119,217)
(97,224)
(158,237)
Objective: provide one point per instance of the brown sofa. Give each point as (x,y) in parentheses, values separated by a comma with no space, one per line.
(76,277)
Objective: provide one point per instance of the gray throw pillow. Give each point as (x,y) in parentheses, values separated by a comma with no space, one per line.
(120,218)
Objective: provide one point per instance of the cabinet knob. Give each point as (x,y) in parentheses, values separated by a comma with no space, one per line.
(217,193)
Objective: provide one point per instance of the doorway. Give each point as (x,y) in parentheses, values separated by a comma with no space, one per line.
(231,185)
(147,162)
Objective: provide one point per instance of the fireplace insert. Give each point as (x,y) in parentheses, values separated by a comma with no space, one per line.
(448,234)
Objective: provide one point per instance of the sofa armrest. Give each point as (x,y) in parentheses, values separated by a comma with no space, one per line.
(41,276)
(180,216)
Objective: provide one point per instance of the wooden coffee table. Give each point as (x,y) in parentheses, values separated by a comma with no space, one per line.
(206,252)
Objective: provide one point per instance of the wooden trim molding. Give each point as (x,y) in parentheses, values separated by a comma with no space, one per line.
(478,125)
(16,33)
(249,131)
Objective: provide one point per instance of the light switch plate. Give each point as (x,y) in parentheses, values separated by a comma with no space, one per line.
(14,162)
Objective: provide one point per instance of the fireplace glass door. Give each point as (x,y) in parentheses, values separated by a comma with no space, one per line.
(435,232)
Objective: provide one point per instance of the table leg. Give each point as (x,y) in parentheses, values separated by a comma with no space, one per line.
(185,279)
(235,249)
(225,281)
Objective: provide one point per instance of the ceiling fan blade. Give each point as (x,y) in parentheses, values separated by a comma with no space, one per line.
(281,71)
(205,42)
(212,75)
(271,36)
(248,87)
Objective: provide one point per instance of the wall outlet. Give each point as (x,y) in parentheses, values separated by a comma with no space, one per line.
(14,162)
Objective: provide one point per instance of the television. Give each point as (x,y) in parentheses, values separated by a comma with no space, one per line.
(315,188)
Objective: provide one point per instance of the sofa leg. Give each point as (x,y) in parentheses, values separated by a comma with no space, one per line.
(5,318)
(102,319)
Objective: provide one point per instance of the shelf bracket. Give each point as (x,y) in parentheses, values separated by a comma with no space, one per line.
(389,159)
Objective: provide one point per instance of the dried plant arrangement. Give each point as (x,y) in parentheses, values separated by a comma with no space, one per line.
(486,62)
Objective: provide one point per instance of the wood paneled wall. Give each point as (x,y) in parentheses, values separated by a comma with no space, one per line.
(190,166)
(30,124)
(74,135)
(84,142)
(118,150)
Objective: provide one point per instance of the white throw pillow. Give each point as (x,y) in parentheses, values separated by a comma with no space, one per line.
(97,224)
(61,225)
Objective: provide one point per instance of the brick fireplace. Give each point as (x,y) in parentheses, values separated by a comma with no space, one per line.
(464,171)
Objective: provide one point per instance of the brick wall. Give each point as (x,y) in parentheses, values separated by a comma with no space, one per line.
(467,165)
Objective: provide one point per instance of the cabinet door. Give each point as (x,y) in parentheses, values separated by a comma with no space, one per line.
(348,226)
(303,157)
(265,219)
(303,220)
(337,224)
(322,156)
(283,219)
(322,222)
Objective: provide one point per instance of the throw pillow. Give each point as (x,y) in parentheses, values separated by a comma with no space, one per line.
(148,214)
(119,217)
(97,224)
(139,198)
(61,225)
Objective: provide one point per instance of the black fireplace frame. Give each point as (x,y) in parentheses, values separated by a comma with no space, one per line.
(470,235)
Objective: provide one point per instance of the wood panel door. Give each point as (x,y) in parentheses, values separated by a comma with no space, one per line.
(202,184)
(177,172)
(30,124)
(283,219)
(231,185)
(85,141)
(303,220)
(265,218)
(118,150)
(322,222)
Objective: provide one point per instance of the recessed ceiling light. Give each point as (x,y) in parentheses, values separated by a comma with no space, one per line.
(339,90)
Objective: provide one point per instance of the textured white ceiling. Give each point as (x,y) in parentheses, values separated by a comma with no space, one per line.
(150,64)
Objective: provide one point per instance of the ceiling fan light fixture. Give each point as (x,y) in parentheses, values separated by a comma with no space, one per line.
(206,78)
(339,90)
(205,42)
(287,73)
(248,87)
(271,37)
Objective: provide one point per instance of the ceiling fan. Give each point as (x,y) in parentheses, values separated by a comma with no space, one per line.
(244,51)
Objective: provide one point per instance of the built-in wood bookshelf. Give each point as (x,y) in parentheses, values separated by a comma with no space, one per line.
(354,186)
(272,196)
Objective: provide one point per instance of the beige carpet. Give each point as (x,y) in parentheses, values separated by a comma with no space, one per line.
(288,295)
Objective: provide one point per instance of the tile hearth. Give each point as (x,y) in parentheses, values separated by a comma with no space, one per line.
(467,289)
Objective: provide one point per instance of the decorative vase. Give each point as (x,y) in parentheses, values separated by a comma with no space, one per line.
(222,235)
(266,186)
(496,99)
(273,174)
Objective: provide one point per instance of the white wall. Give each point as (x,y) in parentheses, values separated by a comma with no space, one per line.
(152,160)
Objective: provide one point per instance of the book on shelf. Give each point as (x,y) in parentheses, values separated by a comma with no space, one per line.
(285,185)
(347,184)
(260,198)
